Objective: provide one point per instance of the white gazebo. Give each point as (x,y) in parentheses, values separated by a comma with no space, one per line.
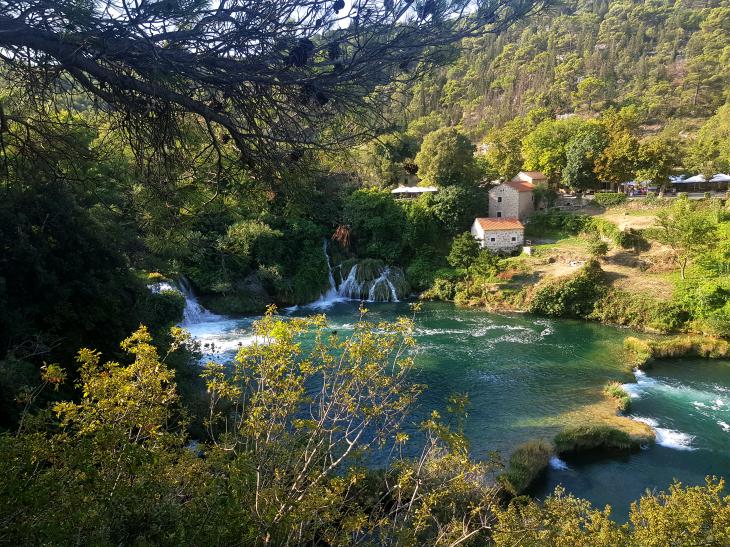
(695,180)
(412,192)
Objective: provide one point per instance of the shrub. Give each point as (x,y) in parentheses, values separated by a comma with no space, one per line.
(554,222)
(597,247)
(422,271)
(526,463)
(638,352)
(616,391)
(442,289)
(610,199)
(570,297)
(618,307)
(588,437)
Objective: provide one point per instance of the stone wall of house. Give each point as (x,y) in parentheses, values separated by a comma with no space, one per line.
(504,240)
(527,204)
(508,205)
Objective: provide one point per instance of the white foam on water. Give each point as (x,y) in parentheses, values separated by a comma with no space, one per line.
(724,425)
(671,438)
(668,438)
(557,464)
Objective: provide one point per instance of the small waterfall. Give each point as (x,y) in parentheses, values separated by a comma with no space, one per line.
(351,288)
(373,282)
(380,284)
(331,296)
(194,311)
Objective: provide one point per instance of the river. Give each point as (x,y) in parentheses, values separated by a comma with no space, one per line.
(523,375)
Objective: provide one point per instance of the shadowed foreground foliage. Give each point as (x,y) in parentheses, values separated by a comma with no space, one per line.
(290,426)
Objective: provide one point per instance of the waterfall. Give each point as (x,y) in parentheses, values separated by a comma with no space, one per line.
(383,285)
(350,287)
(383,281)
(331,296)
(194,311)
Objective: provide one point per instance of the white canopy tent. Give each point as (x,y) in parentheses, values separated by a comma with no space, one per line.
(695,179)
(720,177)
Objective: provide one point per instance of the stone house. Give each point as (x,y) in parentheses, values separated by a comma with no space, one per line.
(533,177)
(499,234)
(516,198)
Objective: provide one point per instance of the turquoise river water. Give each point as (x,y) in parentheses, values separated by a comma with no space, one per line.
(523,373)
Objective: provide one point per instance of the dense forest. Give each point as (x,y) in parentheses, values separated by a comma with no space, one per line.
(668,59)
(230,149)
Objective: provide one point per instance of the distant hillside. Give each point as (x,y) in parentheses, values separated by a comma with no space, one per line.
(670,59)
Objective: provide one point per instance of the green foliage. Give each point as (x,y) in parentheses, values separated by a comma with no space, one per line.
(709,153)
(616,391)
(421,272)
(580,157)
(693,514)
(447,158)
(556,223)
(377,224)
(609,199)
(464,251)
(657,158)
(688,229)
(455,207)
(597,248)
(580,438)
(639,311)
(545,149)
(574,296)
(525,464)
(561,520)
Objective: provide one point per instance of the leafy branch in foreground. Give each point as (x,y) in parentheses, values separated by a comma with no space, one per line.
(273,76)
(292,423)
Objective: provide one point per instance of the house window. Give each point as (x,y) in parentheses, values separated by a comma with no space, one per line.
(514,239)
(499,199)
(499,214)
(492,239)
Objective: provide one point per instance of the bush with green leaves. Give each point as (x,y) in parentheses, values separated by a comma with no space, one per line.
(376,223)
(640,311)
(556,223)
(423,270)
(574,296)
(609,199)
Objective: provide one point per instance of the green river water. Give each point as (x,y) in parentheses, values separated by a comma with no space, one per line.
(523,373)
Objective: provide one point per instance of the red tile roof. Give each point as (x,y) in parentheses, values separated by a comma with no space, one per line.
(492,224)
(535,174)
(521,185)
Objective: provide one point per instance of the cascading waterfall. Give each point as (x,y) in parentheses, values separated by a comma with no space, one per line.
(383,283)
(382,286)
(194,311)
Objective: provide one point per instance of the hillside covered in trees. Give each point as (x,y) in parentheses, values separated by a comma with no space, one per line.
(668,59)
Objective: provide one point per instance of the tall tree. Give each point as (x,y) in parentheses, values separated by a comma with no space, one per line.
(447,158)
(687,229)
(657,157)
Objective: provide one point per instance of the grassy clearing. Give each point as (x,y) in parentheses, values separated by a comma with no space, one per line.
(525,464)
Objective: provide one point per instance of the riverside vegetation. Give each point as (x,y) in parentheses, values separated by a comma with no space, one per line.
(220,146)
